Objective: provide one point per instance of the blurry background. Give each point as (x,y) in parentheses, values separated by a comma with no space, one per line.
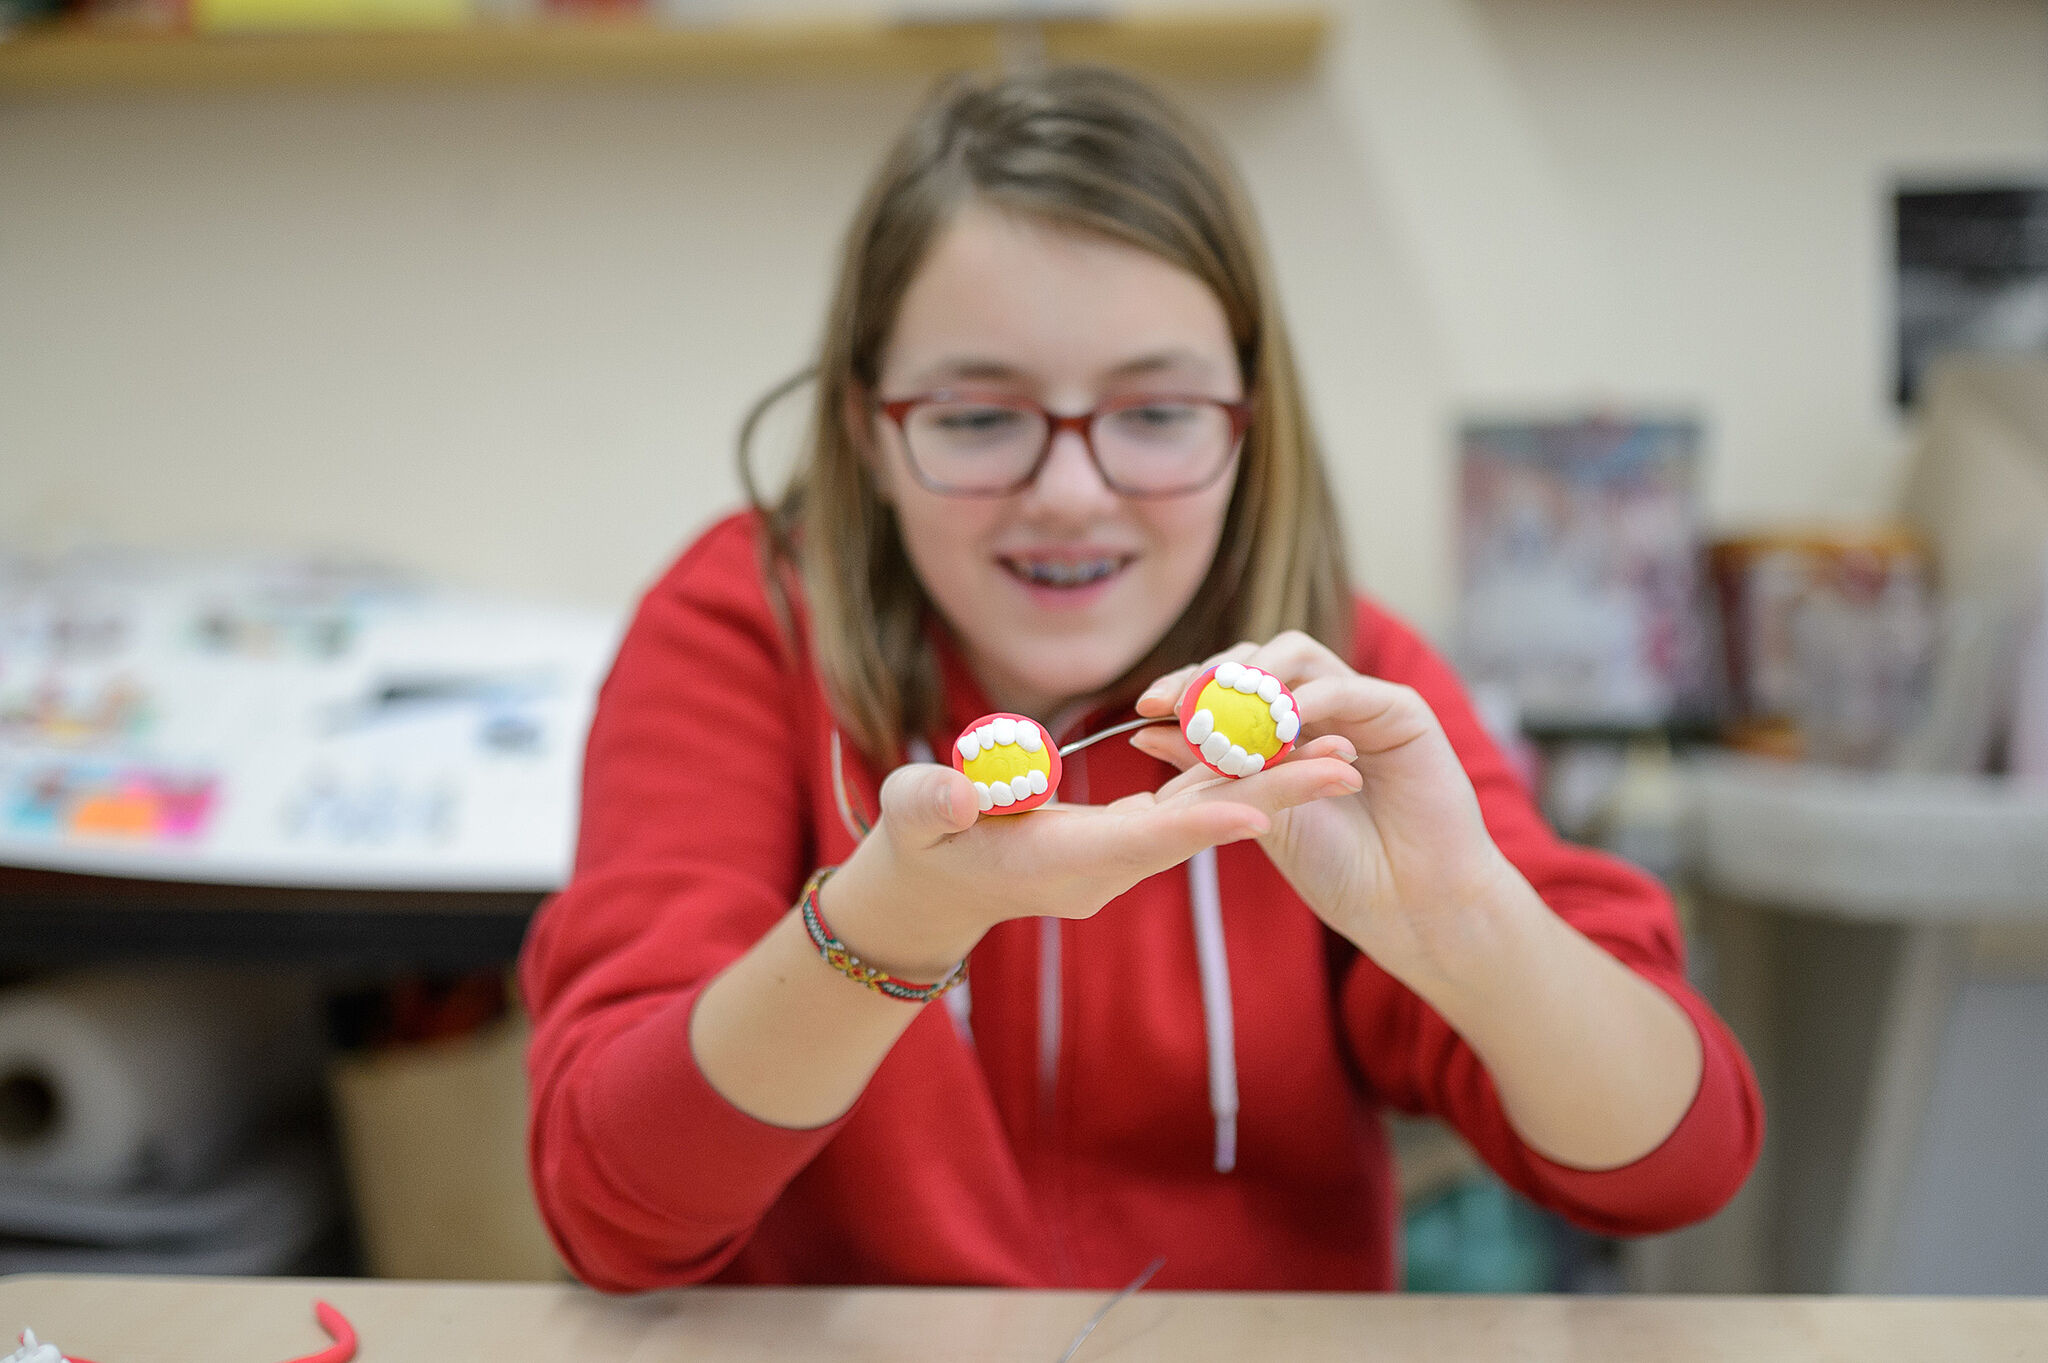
(504,335)
(492,333)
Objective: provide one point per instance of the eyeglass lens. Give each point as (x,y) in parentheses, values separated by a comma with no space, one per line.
(1164,446)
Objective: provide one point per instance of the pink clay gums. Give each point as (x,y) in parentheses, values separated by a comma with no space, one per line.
(1238,719)
(1012,761)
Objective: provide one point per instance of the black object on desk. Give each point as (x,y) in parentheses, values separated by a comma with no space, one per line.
(58,918)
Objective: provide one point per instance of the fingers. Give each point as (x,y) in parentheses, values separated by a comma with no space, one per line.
(1143,839)
(1329,745)
(1378,715)
(1162,695)
(1297,781)
(1316,770)
(1293,657)
(923,803)
(1171,748)
(1198,809)
(1296,658)
(1168,745)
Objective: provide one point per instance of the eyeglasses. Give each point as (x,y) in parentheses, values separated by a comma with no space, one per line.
(1143,446)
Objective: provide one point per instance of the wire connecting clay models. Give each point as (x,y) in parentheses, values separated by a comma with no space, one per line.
(1237,718)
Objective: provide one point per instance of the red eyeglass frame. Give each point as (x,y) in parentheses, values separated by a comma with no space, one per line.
(1080,423)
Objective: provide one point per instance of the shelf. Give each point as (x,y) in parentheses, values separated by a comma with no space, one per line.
(1223,44)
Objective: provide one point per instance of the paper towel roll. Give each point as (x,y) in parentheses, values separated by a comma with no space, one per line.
(147,1078)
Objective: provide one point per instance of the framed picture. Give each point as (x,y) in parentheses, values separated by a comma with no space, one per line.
(1972,268)
(1582,592)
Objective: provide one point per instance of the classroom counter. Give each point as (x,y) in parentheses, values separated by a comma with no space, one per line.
(142,1320)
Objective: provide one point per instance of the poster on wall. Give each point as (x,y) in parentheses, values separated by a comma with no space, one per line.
(1972,266)
(288,723)
(1581,589)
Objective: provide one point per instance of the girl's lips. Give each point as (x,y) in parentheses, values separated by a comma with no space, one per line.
(1065,582)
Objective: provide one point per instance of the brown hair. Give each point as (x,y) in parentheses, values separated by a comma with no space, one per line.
(1095,151)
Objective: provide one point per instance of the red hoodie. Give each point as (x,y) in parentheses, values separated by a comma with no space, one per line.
(1061,1130)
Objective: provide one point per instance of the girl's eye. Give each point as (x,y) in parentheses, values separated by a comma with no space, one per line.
(976,420)
(1156,416)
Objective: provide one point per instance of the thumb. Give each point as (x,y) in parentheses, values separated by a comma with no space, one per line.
(924,802)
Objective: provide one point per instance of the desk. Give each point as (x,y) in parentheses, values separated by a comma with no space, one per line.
(56,918)
(119,1320)
(1845,902)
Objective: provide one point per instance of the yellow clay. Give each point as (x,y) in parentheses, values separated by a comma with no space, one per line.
(1006,762)
(1247,719)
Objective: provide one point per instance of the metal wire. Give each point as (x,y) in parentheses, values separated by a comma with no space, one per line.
(1118,1299)
(1112,731)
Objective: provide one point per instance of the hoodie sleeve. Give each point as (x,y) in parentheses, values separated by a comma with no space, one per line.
(692,845)
(1416,1062)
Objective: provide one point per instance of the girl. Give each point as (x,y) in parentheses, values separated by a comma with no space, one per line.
(1058,459)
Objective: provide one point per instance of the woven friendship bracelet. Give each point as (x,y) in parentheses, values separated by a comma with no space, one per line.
(841,959)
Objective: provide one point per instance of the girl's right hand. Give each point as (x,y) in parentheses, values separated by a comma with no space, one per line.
(935,874)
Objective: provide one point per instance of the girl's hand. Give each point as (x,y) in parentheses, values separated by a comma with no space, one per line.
(1397,866)
(934,875)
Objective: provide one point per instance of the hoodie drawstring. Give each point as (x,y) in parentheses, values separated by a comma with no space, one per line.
(1206,899)
(1212,956)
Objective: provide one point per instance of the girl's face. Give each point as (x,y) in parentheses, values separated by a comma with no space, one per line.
(1057,590)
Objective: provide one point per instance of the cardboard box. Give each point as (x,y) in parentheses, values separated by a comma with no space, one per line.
(435,1142)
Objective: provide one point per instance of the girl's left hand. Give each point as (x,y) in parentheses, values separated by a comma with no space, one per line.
(1405,868)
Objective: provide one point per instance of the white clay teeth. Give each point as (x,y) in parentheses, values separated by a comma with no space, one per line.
(1234,708)
(1011,762)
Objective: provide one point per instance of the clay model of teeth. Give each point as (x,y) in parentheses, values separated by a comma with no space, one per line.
(1011,760)
(1238,719)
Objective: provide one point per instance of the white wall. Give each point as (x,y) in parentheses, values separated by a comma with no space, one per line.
(506,335)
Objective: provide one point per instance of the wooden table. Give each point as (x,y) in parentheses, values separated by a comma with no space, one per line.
(159,1320)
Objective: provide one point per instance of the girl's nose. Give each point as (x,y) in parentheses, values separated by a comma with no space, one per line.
(1069,482)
